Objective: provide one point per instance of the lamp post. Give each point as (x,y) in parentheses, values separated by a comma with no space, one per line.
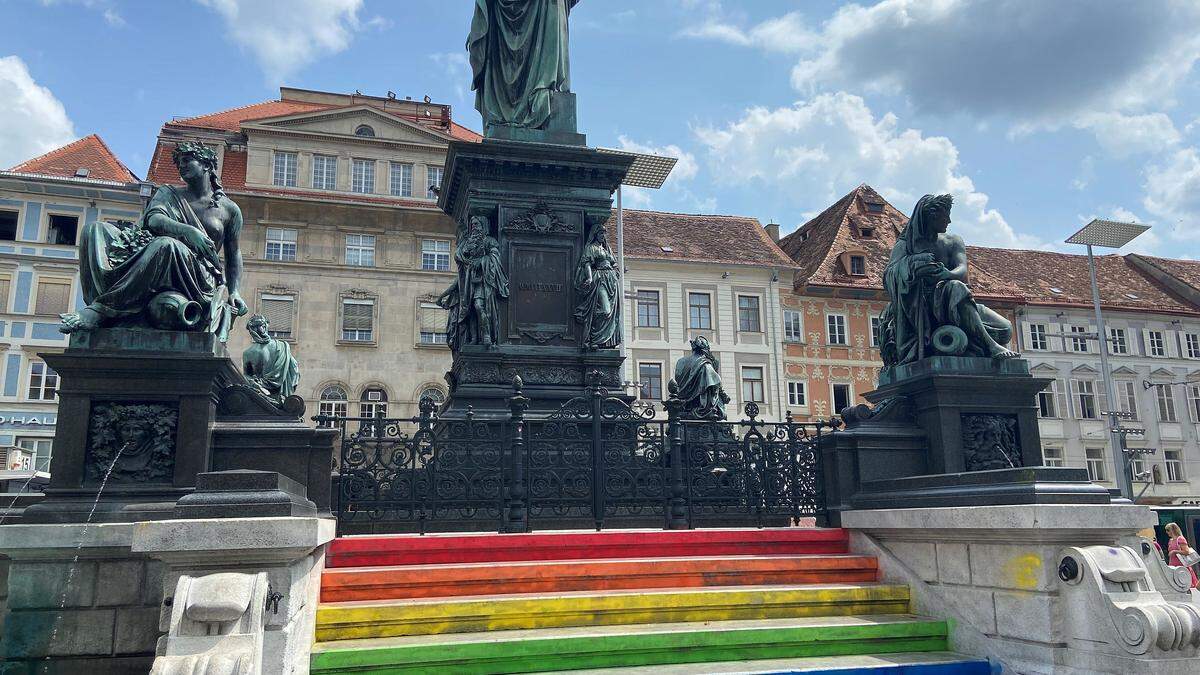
(1108,234)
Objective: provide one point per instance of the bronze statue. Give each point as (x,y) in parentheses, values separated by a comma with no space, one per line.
(932,310)
(698,383)
(598,284)
(472,299)
(518,52)
(166,271)
(268,363)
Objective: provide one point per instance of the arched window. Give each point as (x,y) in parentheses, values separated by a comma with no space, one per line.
(333,403)
(373,403)
(364,130)
(433,393)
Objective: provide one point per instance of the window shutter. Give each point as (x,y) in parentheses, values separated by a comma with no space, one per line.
(1101,399)
(1027,335)
(278,312)
(53,298)
(1093,346)
(1060,399)
(357,316)
(432,318)
(1062,342)
(1073,392)
(4,286)
(1172,339)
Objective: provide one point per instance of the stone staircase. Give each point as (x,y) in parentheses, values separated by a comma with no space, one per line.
(697,601)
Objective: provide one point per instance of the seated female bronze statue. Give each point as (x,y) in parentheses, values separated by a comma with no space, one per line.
(165,271)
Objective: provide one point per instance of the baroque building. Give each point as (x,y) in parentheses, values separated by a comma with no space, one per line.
(344,246)
(44,204)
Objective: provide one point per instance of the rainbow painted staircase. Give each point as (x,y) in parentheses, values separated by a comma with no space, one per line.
(695,601)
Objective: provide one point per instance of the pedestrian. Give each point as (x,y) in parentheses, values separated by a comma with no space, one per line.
(1179,554)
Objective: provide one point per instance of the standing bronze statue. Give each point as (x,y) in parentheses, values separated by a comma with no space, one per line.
(518,52)
(166,271)
(472,299)
(698,383)
(932,310)
(598,284)
(268,363)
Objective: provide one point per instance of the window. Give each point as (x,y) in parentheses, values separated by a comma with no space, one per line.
(278,310)
(1050,401)
(647,309)
(1174,460)
(1052,456)
(5,283)
(1096,467)
(748,317)
(373,403)
(433,324)
(53,297)
(1156,344)
(358,318)
(1191,344)
(797,394)
(362,176)
(1118,342)
(700,311)
(874,207)
(40,448)
(858,265)
(1079,344)
(360,250)
(324,172)
(1127,397)
(1037,337)
(332,404)
(1085,400)
(43,382)
(62,230)
(400,179)
(8,225)
(281,244)
(1166,403)
(285,169)
(793,326)
(866,232)
(752,384)
(836,327)
(433,179)
(1193,394)
(841,397)
(435,255)
(432,393)
(364,130)
(876,331)
(650,381)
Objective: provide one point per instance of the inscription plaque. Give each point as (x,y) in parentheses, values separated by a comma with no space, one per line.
(540,300)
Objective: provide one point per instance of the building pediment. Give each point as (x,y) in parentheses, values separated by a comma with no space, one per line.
(1043,368)
(1125,370)
(1085,369)
(1162,372)
(345,122)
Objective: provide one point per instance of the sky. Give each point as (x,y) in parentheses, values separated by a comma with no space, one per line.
(1037,116)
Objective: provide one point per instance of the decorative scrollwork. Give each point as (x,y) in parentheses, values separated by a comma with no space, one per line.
(540,219)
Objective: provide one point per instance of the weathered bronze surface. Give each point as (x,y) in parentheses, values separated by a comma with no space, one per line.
(698,383)
(932,310)
(598,285)
(166,271)
(472,298)
(268,364)
(519,55)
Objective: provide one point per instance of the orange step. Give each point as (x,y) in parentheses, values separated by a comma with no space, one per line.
(430,581)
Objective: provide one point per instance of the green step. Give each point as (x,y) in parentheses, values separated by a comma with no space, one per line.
(541,650)
(919,663)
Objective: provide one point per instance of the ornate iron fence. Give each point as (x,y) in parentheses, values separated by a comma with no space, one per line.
(599,460)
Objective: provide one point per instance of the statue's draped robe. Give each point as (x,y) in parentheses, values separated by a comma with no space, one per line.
(699,385)
(599,289)
(480,278)
(518,51)
(122,269)
(272,364)
(920,305)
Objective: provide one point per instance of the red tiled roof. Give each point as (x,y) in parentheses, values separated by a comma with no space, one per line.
(89,152)
(464,134)
(1186,271)
(733,240)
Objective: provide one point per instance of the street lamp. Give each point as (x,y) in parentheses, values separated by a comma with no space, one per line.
(1109,234)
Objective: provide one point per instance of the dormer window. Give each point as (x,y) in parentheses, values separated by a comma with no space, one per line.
(364,130)
(875,207)
(867,232)
(804,236)
(858,266)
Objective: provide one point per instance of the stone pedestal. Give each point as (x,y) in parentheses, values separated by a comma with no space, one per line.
(993,570)
(541,202)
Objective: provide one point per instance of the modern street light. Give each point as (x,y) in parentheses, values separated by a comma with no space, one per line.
(1108,234)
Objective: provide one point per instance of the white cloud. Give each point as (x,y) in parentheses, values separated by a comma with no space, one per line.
(684,171)
(1172,192)
(1124,135)
(786,34)
(818,150)
(35,122)
(457,68)
(111,16)
(286,35)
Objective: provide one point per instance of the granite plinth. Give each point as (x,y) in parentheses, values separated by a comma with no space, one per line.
(953,365)
(244,494)
(561,128)
(146,340)
(1025,485)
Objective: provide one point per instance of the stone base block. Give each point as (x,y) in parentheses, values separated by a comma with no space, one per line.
(244,494)
(1031,485)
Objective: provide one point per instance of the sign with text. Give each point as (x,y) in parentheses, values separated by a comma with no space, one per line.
(539,292)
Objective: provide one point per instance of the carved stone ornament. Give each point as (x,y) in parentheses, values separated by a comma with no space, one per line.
(477,373)
(990,441)
(544,375)
(539,219)
(358,294)
(131,443)
(542,336)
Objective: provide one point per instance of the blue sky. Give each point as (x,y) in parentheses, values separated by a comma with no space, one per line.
(1036,115)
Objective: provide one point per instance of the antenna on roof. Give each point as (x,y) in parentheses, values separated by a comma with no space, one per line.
(391,94)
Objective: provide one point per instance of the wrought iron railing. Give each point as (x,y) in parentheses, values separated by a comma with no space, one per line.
(599,460)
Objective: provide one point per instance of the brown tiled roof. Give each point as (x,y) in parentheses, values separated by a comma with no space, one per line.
(1035,275)
(89,152)
(1187,271)
(732,240)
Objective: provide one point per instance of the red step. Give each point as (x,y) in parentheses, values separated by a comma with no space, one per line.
(412,549)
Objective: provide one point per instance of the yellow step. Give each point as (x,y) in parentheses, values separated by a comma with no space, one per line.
(392,618)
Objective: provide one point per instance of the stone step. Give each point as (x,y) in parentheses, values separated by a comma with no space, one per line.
(412,549)
(555,649)
(905,663)
(388,618)
(428,581)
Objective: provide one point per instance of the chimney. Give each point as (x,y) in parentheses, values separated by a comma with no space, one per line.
(773,231)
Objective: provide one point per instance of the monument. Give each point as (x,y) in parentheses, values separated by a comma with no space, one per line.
(539,291)
(697,383)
